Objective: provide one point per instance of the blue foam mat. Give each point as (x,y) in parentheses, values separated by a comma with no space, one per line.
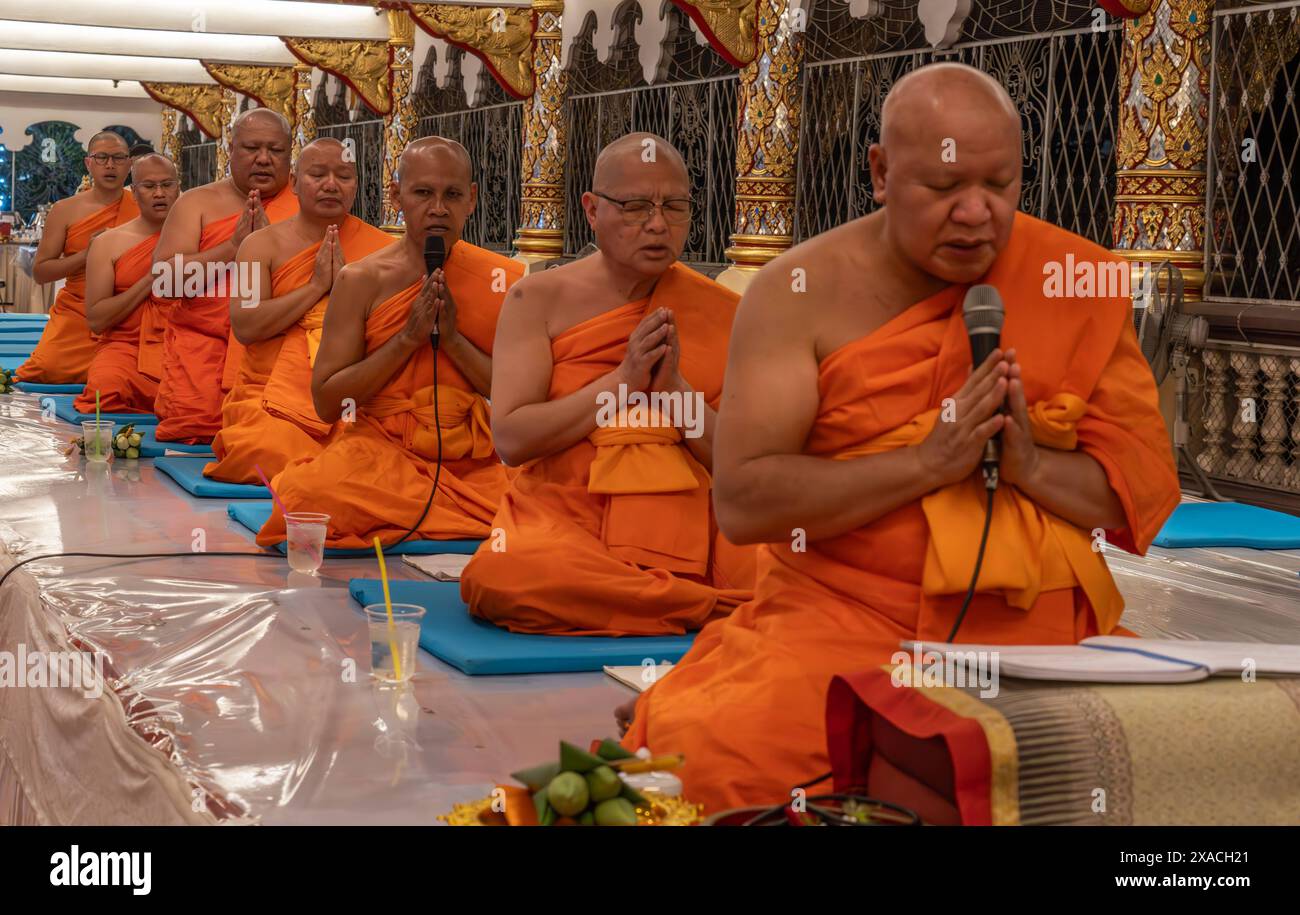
(64,410)
(19,338)
(150,447)
(188,474)
(253,515)
(479,648)
(1229,524)
(16,354)
(31,387)
(24,316)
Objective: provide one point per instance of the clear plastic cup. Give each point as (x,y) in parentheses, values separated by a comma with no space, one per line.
(305,532)
(98,436)
(402,637)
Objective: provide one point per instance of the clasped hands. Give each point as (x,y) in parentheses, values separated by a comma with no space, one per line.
(433,305)
(991,401)
(653,358)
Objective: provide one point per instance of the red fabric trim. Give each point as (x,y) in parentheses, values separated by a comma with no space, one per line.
(851,701)
(1117,8)
(703,26)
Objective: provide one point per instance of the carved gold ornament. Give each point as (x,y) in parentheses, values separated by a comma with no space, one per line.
(731,26)
(270,87)
(203,103)
(361,64)
(501,36)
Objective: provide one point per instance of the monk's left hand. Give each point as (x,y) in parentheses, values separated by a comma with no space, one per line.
(1019,453)
(667,375)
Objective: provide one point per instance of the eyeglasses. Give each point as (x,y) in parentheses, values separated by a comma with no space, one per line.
(167,185)
(105,158)
(638,211)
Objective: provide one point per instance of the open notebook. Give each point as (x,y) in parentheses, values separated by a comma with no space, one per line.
(638,677)
(1116,659)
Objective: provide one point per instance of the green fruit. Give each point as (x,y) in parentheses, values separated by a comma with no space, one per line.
(615,812)
(587,819)
(610,749)
(132,453)
(134,440)
(603,783)
(537,777)
(573,759)
(121,442)
(568,794)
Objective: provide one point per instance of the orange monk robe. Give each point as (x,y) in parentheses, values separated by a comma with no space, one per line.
(615,535)
(374,478)
(120,371)
(195,342)
(63,355)
(747,704)
(268,418)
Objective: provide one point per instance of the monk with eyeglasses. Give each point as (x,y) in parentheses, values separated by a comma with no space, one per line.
(63,356)
(606,375)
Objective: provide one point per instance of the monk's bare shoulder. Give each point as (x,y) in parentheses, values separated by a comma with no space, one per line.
(558,298)
(119,240)
(788,296)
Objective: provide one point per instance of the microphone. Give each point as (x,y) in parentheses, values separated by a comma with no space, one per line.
(983,313)
(435,253)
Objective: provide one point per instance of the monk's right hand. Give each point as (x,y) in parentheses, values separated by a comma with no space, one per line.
(955,445)
(420,321)
(645,347)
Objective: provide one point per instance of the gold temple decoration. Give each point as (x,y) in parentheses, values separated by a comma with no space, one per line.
(1161,144)
(501,36)
(171,140)
(767,143)
(271,87)
(541,223)
(362,64)
(731,26)
(400,122)
(304,118)
(201,102)
(228,106)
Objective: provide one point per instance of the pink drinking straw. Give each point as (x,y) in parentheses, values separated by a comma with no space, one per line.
(284,511)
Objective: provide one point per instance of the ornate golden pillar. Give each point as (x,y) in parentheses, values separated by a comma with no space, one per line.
(767,145)
(1164,98)
(541,222)
(201,102)
(228,105)
(399,123)
(304,120)
(270,87)
(170,146)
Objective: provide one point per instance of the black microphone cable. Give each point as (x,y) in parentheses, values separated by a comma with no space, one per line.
(991,486)
(437,470)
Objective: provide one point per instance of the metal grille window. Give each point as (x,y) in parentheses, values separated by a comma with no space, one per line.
(491,135)
(198,164)
(1064,85)
(1253,243)
(698,117)
(368,146)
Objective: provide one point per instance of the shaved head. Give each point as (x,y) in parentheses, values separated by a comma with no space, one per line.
(319,146)
(109,136)
(622,157)
(432,149)
(151,162)
(260,116)
(930,94)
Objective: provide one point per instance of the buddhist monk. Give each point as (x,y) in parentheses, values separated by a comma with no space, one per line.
(268,418)
(397,399)
(851,432)
(120,307)
(608,528)
(66,348)
(197,253)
